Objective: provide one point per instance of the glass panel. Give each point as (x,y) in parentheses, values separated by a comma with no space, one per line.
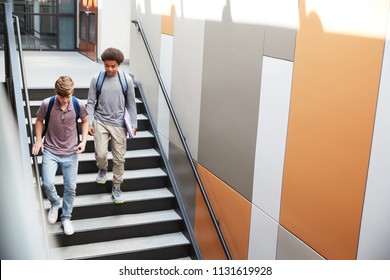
(46,7)
(83,26)
(38,20)
(47,32)
(67,38)
(47,24)
(38,32)
(67,6)
(91,37)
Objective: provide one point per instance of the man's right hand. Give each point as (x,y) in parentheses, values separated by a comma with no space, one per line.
(37,147)
(91,130)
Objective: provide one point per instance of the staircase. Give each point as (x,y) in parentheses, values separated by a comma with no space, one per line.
(148,225)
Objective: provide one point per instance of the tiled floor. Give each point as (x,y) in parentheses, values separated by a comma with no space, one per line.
(43,68)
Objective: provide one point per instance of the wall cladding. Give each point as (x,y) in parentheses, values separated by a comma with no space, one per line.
(286,107)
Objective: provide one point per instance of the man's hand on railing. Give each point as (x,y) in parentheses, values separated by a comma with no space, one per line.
(38,146)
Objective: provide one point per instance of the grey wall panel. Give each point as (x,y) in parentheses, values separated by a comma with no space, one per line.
(281,27)
(185,179)
(279,43)
(187,78)
(230,100)
(292,248)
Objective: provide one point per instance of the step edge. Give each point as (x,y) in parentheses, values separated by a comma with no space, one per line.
(117,221)
(130,245)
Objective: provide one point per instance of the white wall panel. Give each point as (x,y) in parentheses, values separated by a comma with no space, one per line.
(271,134)
(263,236)
(166,53)
(119,22)
(374,241)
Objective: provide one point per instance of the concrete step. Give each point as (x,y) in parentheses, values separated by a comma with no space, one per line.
(87,225)
(105,198)
(119,247)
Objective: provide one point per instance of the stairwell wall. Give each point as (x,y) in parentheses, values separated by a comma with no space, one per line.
(278,100)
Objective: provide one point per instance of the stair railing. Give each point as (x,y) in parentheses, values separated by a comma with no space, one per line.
(14,69)
(182,138)
(26,99)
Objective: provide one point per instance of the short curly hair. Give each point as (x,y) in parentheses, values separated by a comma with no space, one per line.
(113,54)
(64,86)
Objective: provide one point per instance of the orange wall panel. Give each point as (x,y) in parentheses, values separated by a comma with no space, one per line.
(205,232)
(168,22)
(232,212)
(334,94)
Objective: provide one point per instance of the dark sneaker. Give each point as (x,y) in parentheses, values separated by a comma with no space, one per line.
(116,195)
(52,216)
(67,226)
(101,176)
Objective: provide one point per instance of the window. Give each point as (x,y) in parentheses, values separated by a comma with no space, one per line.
(46,24)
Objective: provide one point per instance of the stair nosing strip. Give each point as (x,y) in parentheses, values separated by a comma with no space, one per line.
(122,246)
(117,221)
(130,154)
(128,175)
(105,198)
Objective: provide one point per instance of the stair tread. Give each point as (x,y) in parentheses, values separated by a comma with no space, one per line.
(141,153)
(38,103)
(139,117)
(106,248)
(105,198)
(140,134)
(128,174)
(84,225)
(129,154)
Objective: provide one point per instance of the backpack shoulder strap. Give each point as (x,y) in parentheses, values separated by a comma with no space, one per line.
(47,118)
(99,84)
(76,106)
(123,81)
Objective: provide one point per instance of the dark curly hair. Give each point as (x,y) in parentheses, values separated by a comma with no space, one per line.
(113,54)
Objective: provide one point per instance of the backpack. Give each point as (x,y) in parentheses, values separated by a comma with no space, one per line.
(76,106)
(100,80)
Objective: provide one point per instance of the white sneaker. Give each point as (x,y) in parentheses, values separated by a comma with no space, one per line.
(67,226)
(101,176)
(52,216)
(117,195)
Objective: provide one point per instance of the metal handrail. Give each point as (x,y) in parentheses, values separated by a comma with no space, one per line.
(182,138)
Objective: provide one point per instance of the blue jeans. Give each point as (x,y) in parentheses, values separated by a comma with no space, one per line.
(69,167)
